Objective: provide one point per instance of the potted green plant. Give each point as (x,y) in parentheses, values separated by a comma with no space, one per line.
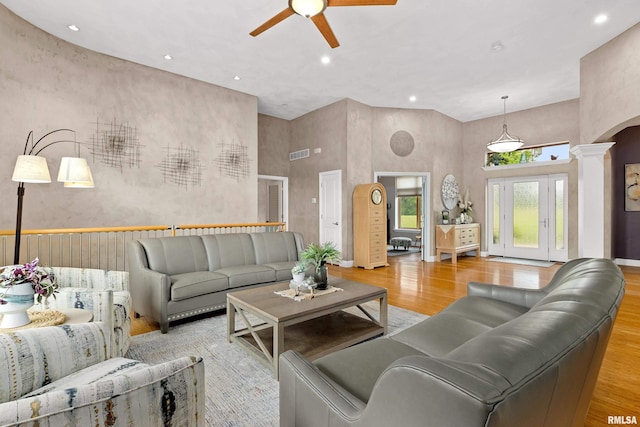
(298,271)
(319,255)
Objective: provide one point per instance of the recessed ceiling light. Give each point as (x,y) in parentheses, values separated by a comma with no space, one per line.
(497,46)
(325,59)
(73,27)
(600,19)
(412,98)
(236,78)
(168,57)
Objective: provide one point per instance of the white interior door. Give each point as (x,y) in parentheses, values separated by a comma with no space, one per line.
(526,217)
(331,208)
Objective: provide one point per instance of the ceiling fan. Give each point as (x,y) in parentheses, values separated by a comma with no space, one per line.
(314,9)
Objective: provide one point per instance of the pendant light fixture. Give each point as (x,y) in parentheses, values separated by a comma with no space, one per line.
(308,8)
(505,143)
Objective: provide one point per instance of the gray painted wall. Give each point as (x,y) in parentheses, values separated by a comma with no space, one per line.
(46,84)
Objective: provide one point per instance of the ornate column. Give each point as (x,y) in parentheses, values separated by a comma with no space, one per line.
(591,218)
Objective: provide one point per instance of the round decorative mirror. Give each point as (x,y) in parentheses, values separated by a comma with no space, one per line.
(449,191)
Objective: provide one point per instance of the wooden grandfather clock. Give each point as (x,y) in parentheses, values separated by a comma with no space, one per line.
(370,226)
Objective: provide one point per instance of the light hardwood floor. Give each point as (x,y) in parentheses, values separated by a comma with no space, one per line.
(429,287)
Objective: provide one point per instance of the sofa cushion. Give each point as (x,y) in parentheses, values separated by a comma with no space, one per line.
(243,275)
(527,344)
(189,285)
(462,320)
(228,250)
(282,269)
(357,368)
(274,247)
(104,370)
(176,255)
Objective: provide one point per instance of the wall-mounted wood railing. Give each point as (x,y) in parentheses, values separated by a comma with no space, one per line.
(105,247)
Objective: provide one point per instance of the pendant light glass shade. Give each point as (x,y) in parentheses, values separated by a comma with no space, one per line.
(505,143)
(31,169)
(308,8)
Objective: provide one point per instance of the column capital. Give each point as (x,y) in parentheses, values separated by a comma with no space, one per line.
(591,150)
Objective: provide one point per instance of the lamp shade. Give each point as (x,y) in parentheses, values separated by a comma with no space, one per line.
(505,143)
(81,184)
(308,8)
(74,169)
(32,169)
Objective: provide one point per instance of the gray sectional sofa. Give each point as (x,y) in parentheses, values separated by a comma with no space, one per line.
(501,356)
(171,278)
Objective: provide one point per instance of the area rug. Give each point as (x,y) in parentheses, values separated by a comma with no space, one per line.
(522,261)
(396,252)
(241,391)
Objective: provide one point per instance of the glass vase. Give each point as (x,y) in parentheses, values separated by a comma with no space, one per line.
(320,277)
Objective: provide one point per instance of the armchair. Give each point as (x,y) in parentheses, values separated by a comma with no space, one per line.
(80,288)
(62,375)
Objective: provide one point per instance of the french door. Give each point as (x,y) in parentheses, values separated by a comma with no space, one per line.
(527,217)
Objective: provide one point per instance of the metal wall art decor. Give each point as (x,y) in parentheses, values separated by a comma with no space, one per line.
(182,166)
(233,161)
(116,145)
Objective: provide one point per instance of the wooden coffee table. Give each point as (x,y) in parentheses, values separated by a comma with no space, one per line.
(313,327)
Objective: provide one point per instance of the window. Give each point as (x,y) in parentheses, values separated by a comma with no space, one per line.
(409,202)
(409,212)
(543,153)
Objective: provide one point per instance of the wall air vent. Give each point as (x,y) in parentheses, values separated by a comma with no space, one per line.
(297,155)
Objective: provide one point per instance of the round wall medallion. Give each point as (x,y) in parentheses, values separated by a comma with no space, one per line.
(402,143)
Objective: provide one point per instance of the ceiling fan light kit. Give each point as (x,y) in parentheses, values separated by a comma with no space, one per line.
(505,143)
(308,8)
(314,9)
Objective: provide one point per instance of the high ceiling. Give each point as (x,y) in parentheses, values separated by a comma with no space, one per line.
(443,52)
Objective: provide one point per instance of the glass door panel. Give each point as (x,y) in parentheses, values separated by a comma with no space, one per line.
(526,214)
(527,217)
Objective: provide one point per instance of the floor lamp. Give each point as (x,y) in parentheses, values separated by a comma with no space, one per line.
(32,168)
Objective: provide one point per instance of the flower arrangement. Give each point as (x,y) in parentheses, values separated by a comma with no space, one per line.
(464,204)
(42,280)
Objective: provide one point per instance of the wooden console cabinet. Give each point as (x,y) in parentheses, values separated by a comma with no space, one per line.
(455,239)
(370,226)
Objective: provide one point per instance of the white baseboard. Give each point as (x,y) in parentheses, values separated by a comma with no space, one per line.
(627,262)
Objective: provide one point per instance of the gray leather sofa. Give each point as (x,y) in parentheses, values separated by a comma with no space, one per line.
(500,356)
(171,278)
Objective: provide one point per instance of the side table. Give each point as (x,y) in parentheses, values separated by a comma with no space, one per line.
(76,315)
(42,318)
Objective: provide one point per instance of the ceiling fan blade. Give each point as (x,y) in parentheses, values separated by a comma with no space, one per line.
(331,3)
(323,25)
(273,21)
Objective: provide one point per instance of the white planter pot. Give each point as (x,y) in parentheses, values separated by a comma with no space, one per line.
(298,278)
(19,299)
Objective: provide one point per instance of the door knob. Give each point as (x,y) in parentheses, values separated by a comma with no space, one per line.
(335,223)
